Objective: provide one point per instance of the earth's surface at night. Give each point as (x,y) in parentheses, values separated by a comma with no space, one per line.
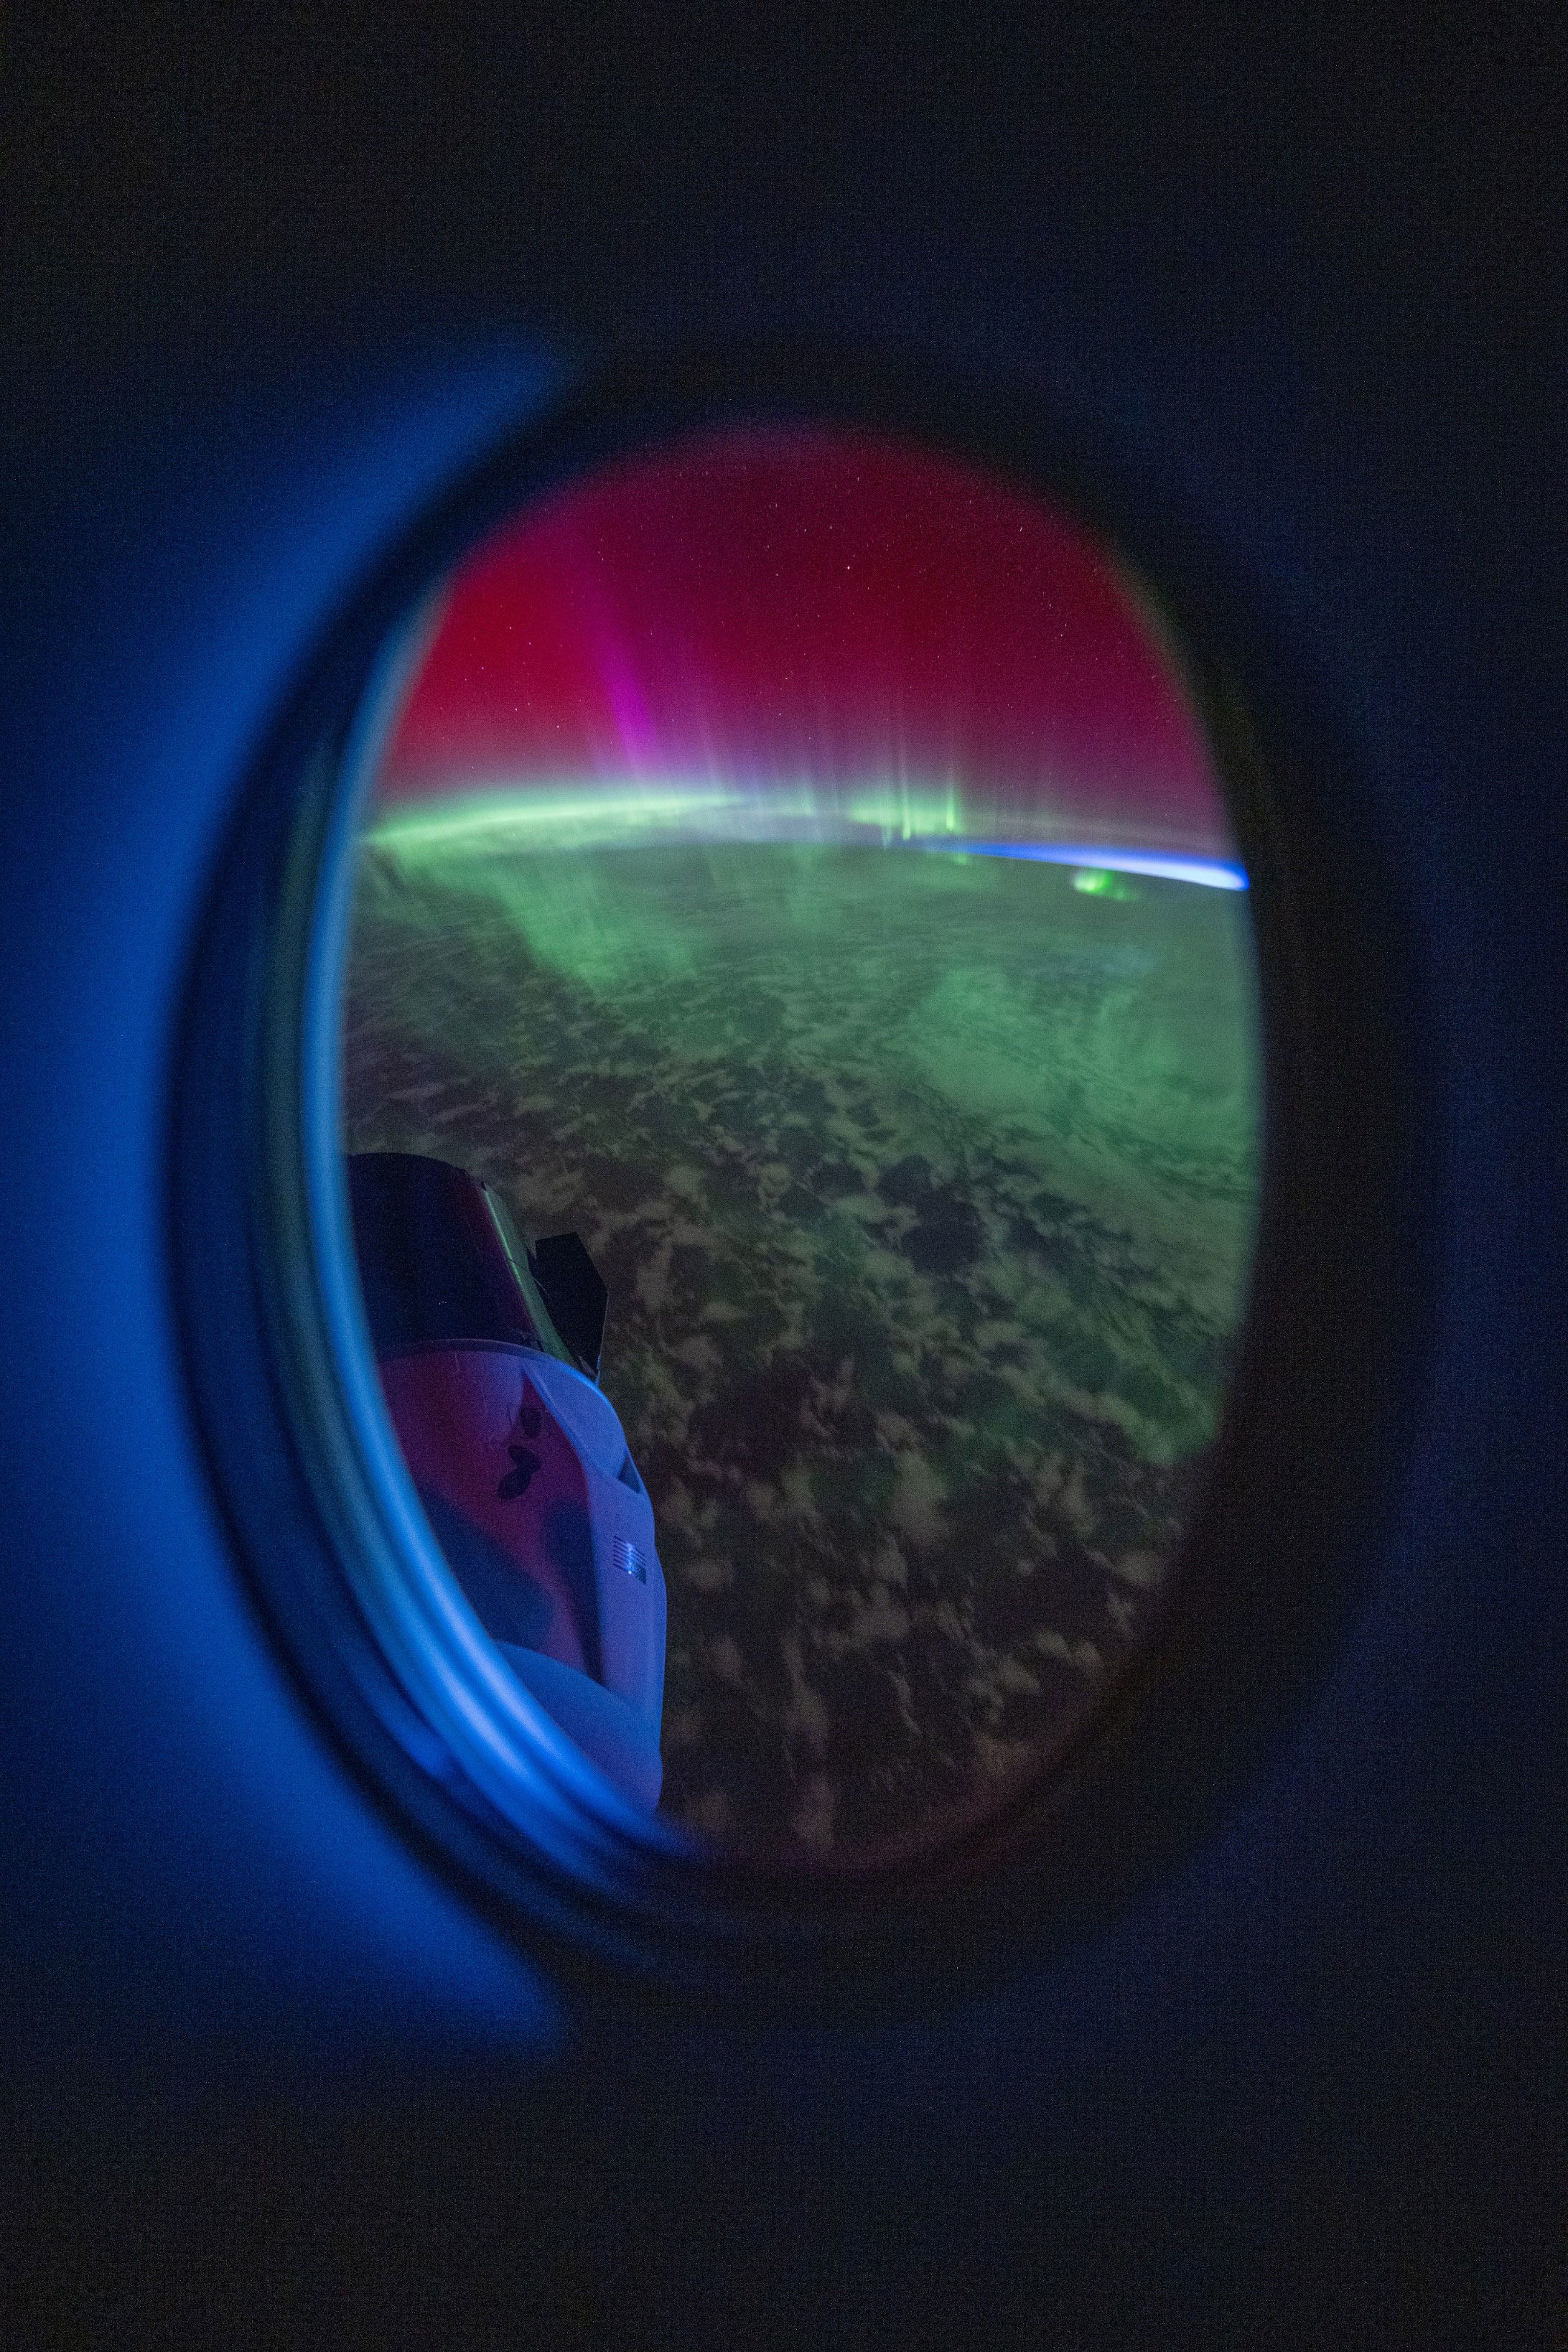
(924,1185)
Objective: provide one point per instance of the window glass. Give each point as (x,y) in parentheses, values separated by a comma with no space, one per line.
(796,910)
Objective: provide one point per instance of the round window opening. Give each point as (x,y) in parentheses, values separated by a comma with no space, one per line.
(800,1093)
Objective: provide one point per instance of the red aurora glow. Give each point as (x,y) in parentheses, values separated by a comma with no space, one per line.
(782,606)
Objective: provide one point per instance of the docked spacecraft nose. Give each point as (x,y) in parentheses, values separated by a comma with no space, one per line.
(519,1459)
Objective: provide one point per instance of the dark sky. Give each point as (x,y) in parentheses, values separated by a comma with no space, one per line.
(779,605)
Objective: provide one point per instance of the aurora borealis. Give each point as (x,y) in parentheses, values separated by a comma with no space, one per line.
(808,624)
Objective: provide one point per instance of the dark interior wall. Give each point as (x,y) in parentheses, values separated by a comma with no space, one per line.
(267,288)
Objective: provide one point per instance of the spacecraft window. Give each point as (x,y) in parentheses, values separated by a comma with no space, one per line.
(799,1076)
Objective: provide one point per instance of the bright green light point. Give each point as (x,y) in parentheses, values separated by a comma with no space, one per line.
(1095,883)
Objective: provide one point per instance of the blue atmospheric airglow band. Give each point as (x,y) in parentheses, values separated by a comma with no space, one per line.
(706,815)
(1213,872)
